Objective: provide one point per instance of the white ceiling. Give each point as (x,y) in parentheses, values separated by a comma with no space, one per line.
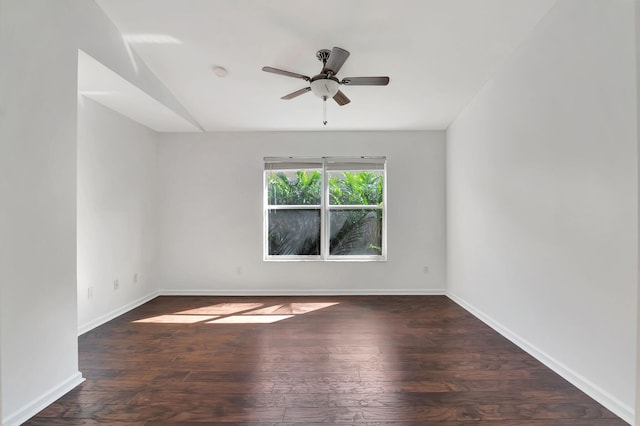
(438,54)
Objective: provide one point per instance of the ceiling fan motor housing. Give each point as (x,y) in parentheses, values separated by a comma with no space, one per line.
(324,86)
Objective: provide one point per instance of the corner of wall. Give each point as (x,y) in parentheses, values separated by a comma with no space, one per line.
(48,397)
(612,403)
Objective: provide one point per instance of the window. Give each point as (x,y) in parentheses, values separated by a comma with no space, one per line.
(325,208)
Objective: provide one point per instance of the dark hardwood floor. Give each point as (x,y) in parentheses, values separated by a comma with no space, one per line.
(410,360)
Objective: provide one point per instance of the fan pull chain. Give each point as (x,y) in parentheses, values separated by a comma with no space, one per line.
(324,110)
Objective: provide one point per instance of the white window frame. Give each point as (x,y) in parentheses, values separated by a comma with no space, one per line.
(327,164)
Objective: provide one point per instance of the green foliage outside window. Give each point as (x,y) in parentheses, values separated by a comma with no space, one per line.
(354,231)
(362,188)
(303,188)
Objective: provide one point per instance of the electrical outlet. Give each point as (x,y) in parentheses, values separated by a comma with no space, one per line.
(90,293)
(135,277)
(425,269)
(116,284)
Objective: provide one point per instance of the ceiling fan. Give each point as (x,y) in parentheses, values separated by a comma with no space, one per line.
(326,85)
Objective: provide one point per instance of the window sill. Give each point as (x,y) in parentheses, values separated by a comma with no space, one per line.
(327,259)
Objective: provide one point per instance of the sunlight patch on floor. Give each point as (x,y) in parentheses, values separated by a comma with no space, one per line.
(221,309)
(290,308)
(178,319)
(238,313)
(250,319)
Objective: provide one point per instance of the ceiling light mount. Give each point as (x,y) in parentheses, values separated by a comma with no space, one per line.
(323,55)
(220,72)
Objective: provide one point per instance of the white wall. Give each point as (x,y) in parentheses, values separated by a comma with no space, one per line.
(3,190)
(39,345)
(117,164)
(211,224)
(39,41)
(637,27)
(542,198)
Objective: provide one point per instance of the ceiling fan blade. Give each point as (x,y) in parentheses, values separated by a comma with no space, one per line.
(287,73)
(336,60)
(296,93)
(365,81)
(341,99)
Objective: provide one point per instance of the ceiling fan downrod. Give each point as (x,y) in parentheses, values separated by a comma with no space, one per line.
(324,110)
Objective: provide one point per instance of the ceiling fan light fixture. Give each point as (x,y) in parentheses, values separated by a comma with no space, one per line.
(325,87)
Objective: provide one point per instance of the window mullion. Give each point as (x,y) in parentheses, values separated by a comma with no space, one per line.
(355,207)
(294,207)
(324,222)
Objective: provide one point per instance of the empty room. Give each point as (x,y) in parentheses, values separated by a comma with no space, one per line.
(418,212)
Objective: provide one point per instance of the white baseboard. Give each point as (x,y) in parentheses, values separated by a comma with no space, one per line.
(33,408)
(610,402)
(300,292)
(115,313)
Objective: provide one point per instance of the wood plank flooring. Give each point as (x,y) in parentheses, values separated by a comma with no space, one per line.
(365,360)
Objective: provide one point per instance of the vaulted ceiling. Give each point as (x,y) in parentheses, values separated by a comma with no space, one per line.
(438,54)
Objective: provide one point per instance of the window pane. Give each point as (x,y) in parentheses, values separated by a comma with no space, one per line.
(356,188)
(294,232)
(294,187)
(355,232)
